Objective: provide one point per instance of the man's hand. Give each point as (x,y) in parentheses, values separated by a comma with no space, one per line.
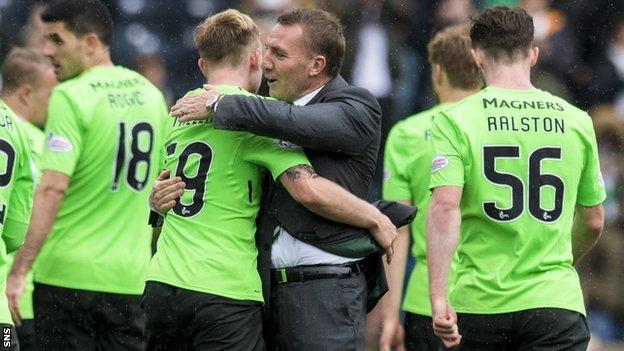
(385,233)
(16,285)
(392,334)
(445,322)
(165,192)
(193,108)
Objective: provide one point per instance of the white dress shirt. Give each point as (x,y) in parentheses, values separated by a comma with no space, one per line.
(288,251)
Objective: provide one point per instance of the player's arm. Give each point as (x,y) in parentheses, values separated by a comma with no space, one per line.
(589,212)
(61,155)
(443,222)
(396,186)
(392,333)
(19,212)
(588,225)
(48,197)
(331,201)
(347,124)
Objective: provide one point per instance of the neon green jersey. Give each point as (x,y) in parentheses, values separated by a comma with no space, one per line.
(105,130)
(16,192)
(407,161)
(36,141)
(207,242)
(524,160)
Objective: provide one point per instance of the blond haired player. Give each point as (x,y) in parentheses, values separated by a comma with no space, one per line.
(408,156)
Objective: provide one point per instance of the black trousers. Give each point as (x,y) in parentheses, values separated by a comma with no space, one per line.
(541,329)
(26,335)
(180,319)
(320,314)
(419,334)
(70,319)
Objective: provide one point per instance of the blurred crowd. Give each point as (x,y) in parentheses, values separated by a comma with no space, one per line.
(581,59)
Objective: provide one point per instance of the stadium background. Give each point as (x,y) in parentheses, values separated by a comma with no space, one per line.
(581,59)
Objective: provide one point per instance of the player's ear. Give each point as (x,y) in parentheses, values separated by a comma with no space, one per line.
(534,55)
(476,55)
(200,63)
(24,93)
(255,59)
(91,41)
(436,74)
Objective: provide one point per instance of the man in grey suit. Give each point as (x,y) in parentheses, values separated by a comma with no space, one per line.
(318,296)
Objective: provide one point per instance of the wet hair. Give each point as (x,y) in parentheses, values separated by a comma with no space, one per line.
(81,17)
(450,48)
(22,66)
(226,36)
(322,35)
(503,32)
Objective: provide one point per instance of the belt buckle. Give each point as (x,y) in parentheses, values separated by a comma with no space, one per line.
(282,278)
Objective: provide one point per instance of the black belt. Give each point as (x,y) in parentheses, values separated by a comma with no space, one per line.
(303,273)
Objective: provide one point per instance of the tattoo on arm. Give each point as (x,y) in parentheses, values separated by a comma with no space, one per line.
(295,172)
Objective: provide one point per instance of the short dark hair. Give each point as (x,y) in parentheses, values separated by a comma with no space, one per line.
(450,48)
(503,32)
(322,34)
(22,66)
(81,17)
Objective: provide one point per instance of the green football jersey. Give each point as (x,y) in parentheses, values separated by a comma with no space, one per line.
(524,160)
(36,140)
(16,192)
(105,130)
(407,161)
(207,243)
